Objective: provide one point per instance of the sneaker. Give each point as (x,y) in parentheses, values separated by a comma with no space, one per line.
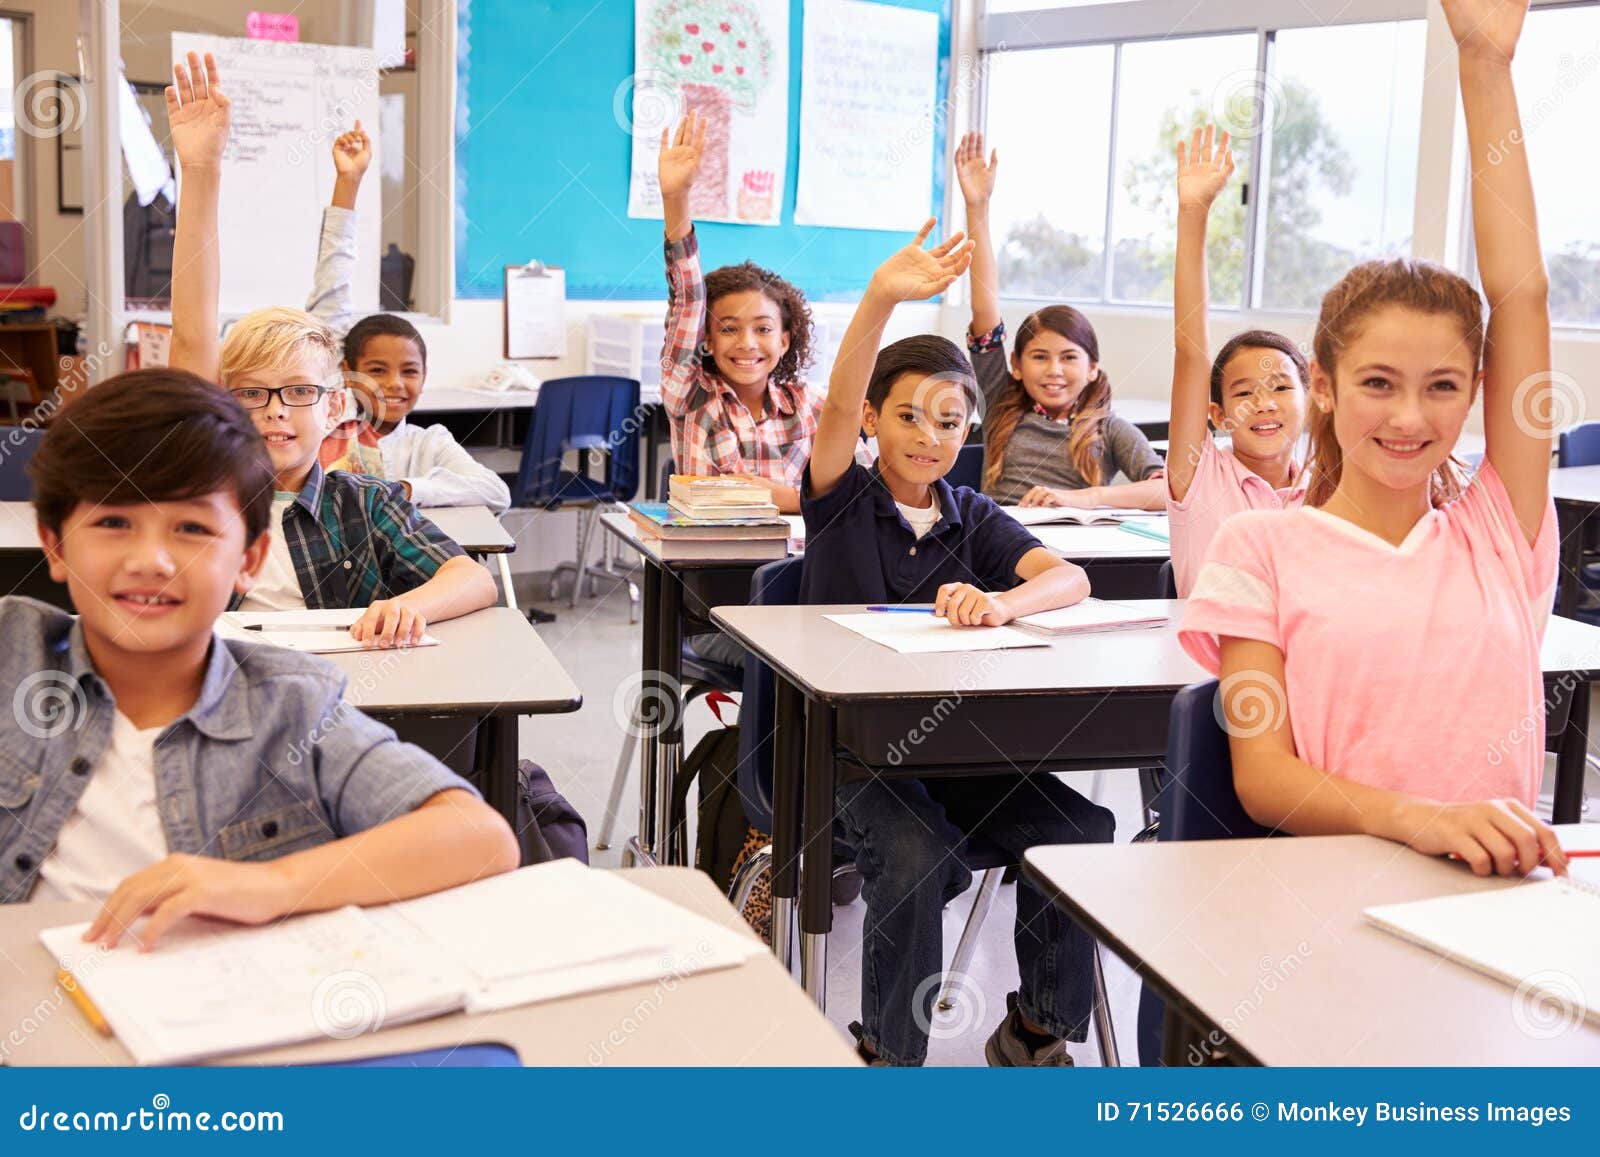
(1007,1049)
(868,1057)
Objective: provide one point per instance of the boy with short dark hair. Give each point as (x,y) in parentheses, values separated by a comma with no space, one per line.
(165,770)
(899,533)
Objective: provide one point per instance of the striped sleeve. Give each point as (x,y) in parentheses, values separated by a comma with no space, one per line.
(410,549)
(1235,594)
(686,317)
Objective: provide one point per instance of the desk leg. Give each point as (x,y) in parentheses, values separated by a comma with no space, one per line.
(816,859)
(1178,1041)
(644,845)
(669,847)
(496,753)
(788,759)
(1572,759)
(1570,522)
(503,560)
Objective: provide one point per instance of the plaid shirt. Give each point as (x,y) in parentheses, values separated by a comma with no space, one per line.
(712,430)
(355,539)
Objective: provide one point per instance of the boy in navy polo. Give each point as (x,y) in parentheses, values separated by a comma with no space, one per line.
(900,533)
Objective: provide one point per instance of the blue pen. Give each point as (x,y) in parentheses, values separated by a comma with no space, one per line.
(903,610)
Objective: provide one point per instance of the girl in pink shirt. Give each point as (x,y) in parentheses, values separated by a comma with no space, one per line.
(1378,647)
(1257,388)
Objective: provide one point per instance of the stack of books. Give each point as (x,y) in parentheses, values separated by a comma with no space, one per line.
(713,518)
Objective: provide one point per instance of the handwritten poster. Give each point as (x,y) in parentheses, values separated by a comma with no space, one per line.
(289,102)
(727,60)
(868,115)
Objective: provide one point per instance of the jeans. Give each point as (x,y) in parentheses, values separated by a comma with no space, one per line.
(907,837)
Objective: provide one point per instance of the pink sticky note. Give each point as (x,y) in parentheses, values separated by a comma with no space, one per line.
(273,26)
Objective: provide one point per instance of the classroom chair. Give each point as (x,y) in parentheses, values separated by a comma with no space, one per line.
(1198,802)
(586,415)
(16,451)
(778,584)
(968,470)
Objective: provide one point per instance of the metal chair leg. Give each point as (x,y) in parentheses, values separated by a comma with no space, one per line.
(586,519)
(988,885)
(1105,1032)
(745,879)
(619,783)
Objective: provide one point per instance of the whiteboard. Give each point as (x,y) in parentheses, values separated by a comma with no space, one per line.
(289,103)
(868,83)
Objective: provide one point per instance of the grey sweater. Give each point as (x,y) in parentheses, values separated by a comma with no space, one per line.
(1036,454)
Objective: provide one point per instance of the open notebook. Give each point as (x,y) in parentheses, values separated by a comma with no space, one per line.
(1092,615)
(321,632)
(544,932)
(1542,937)
(923,634)
(1073,515)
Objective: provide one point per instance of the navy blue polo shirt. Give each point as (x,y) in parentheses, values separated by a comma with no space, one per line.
(860,548)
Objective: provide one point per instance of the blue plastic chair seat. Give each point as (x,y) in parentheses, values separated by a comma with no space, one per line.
(475,1056)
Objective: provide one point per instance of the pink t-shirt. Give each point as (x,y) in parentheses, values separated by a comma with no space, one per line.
(1412,668)
(1222,487)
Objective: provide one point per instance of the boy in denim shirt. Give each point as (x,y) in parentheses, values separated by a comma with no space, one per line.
(166,771)
(899,533)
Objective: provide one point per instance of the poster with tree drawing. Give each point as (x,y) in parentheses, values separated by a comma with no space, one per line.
(728,61)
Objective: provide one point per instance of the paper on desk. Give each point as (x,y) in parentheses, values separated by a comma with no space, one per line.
(1100,539)
(310,631)
(927,634)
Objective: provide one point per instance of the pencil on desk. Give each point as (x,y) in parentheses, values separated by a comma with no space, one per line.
(81,999)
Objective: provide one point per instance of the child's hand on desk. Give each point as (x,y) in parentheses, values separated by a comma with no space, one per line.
(964,605)
(183,885)
(198,114)
(1496,837)
(389,623)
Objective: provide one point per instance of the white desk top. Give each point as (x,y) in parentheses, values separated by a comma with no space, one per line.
(491,661)
(1266,938)
(475,528)
(1100,541)
(456,399)
(827,660)
(750,1015)
(1576,484)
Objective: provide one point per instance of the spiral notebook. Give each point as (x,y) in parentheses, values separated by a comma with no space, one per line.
(1542,937)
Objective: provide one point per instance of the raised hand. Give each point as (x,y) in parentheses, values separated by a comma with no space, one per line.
(198,113)
(1487,28)
(914,273)
(1204,166)
(352,153)
(680,160)
(974,173)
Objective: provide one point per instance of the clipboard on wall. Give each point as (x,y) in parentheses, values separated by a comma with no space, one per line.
(535,320)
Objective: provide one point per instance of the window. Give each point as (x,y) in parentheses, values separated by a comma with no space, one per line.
(1343,172)
(1555,70)
(1164,89)
(1338,168)
(1049,207)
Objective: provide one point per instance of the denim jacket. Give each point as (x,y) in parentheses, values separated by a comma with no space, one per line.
(269,760)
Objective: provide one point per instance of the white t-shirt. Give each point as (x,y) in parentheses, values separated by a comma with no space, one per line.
(116,829)
(922,519)
(277,586)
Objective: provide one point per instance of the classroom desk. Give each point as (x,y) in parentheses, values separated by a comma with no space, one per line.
(1119,563)
(1084,702)
(490,665)
(1576,490)
(1150,414)
(478,530)
(677,597)
(750,1015)
(1263,942)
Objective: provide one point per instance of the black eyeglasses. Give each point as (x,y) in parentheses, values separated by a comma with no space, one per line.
(257,397)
